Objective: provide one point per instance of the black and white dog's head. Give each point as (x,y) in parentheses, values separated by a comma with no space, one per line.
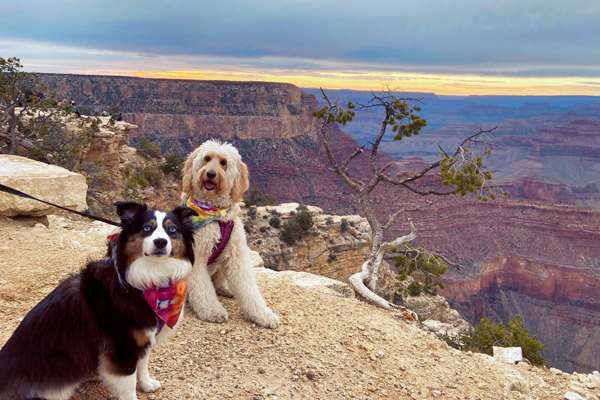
(153,246)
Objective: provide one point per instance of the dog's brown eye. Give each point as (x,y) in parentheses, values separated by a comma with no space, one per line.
(207,158)
(224,163)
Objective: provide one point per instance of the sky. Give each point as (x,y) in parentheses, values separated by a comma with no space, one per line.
(442,46)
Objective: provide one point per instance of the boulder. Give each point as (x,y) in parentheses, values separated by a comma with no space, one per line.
(510,355)
(256,261)
(310,281)
(47,182)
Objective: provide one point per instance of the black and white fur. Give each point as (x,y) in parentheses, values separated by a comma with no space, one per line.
(97,321)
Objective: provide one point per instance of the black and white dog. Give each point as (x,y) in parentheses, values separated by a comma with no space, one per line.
(105,319)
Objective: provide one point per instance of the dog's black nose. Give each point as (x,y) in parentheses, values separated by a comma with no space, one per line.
(160,243)
(211,174)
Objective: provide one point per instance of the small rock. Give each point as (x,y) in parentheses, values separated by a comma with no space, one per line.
(261,370)
(573,396)
(311,375)
(556,371)
(509,355)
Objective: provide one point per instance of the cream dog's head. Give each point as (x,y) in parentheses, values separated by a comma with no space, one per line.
(216,174)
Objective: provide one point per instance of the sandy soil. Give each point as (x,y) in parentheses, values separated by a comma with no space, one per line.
(328,347)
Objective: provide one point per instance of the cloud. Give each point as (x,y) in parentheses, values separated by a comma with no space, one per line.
(526,37)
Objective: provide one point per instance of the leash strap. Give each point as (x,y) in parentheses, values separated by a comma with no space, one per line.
(15,192)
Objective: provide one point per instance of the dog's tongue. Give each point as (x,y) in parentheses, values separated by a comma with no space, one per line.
(209,185)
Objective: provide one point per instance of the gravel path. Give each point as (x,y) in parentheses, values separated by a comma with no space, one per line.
(328,347)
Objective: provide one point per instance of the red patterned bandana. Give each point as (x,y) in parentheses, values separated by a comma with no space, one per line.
(167,301)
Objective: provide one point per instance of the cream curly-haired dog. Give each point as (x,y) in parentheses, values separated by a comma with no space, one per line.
(214,182)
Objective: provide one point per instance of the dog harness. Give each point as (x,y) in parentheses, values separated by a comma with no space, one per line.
(206,215)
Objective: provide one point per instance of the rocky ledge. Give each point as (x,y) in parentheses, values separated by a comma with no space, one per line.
(328,346)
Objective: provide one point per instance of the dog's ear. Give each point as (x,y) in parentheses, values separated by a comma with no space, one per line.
(241,184)
(127,210)
(183,212)
(187,173)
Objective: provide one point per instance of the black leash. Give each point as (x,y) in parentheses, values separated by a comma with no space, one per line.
(15,192)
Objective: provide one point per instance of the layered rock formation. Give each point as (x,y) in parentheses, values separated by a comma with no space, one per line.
(560,303)
(271,124)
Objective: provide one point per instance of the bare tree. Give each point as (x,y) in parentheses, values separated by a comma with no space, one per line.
(461,172)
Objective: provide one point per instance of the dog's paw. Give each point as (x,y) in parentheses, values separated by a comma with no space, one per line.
(149,385)
(266,319)
(217,314)
(224,292)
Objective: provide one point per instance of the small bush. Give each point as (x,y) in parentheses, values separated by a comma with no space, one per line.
(487,334)
(252,212)
(304,218)
(257,198)
(275,222)
(148,149)
(151,175)
(291,232)
(344,225)
(332,257)
(172,164)
(424,267)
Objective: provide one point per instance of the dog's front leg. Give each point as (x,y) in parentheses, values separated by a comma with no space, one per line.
(242,282)
(202,296)
(147,383)
(121,385)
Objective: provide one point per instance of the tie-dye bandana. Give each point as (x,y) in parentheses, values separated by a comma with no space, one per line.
(206,212)
(167,301)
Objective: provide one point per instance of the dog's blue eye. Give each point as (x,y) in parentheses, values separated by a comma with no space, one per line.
(147,228)
(172,229)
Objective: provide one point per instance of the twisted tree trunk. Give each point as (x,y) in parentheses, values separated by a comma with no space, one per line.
(365,281)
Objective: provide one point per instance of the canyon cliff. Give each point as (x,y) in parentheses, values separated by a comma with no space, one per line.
(273,127)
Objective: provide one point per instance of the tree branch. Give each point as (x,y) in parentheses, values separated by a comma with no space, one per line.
(350,181)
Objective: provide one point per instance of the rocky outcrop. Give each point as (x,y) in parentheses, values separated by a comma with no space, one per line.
(335,247)
(327,249)
(47,182)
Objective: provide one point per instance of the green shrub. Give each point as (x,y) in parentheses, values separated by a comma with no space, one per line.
(172,164)
(487,334)
(148,149)
(152,176)
(344,225)
(257,198)
(275,222)
(425,269)
(291,232)
(303,217)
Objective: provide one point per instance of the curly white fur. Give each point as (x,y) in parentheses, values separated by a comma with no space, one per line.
(232,272)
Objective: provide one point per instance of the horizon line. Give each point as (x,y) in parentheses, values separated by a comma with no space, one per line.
(174,76)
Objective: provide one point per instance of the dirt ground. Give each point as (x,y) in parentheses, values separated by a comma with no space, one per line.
(327,347)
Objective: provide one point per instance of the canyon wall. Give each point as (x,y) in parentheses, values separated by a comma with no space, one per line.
(272,126)
(270,123)
(561,305)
